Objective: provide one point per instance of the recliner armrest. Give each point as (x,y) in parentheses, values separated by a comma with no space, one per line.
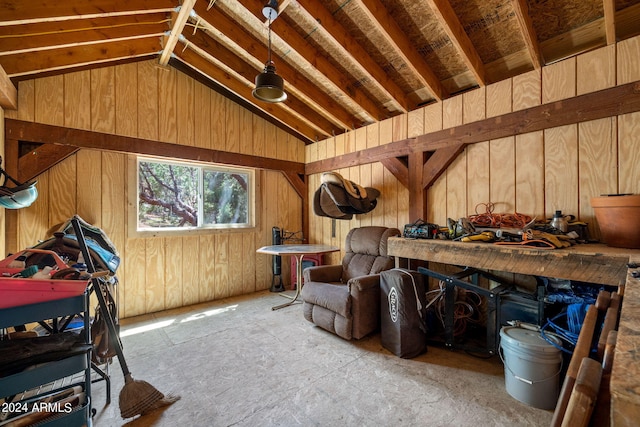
(363,283)
(323,273)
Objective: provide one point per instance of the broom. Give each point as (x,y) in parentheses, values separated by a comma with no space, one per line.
(136,397)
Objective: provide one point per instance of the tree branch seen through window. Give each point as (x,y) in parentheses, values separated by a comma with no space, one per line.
(176,195)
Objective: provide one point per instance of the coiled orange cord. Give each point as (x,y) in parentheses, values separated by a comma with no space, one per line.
(490,219)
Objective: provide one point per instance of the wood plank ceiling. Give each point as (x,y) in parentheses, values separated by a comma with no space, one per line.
(346,63)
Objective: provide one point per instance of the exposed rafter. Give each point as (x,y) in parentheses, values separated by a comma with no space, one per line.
(521,9)
(610,20)
(346,64)
(179,22)
(296,82)
(452,26)
(392,32)
(318,61)
(342,38)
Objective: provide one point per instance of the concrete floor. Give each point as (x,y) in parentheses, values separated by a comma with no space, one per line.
(237,362)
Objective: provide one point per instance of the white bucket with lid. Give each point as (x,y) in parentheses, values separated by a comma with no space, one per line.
(531,366)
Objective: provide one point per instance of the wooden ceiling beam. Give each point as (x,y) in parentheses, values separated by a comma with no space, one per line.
(454,29)
(610,20)
(404,47)
(194,60)
(79,56)
(55,35)
(332,28)
(20,130)
(319,62)
(245,73)
(179,21)
(8,92)
(623,99)
(16,12)
(521,9)
(295,82)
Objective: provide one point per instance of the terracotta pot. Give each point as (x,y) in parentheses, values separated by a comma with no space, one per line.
(619,220)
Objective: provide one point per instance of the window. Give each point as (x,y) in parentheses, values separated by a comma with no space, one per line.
(175,195)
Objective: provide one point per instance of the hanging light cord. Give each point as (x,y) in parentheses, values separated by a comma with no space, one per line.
(269,32)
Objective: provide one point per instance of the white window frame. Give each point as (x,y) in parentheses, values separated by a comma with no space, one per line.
(133,204)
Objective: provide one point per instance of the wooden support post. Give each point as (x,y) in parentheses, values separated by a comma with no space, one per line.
(417,192)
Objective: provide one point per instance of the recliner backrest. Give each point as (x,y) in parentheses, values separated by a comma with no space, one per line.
(366,251)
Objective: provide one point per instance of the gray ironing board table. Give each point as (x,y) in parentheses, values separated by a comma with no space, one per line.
(297,251)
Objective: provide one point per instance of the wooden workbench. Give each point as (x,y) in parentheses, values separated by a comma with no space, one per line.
(593,263)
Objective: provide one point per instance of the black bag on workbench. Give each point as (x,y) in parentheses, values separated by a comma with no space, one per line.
(403,304)
(420,230)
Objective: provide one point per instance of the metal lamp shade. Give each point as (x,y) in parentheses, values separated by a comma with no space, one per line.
(269,86)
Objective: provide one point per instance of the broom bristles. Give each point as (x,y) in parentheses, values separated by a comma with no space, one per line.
(137,396)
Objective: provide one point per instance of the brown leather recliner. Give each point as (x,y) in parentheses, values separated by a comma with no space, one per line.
(345,299)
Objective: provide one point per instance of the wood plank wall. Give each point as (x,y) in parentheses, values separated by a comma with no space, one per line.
(147,101)
(534,174)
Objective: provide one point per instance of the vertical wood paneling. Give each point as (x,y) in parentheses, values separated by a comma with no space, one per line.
(628,66)
(596,70)
(246,131)
(62,202)
(527,90)
(415,123)
(126,115)
(529,160)
(185,109)
(373,134)
(147,100)
(232,136)
(89,186)
(248,263)
(502,174)
(77,100)
(191,270)
(133,286)
(103,100)
(258,126)
(174,282)
(155,287)
(207,263)
(598,155)
(218,121)
(141,100)
(559,81)
(167,105)
(235,267)
(473,105)
(561,169)
(282,146)
(437,193)
(49,100)
(499,96)
(202,115)
(478,173)
(33,222)
(113,207)
(221,266)
(26,102)
(456,201)
(629,157)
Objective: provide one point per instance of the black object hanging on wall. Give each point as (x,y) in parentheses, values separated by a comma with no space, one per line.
(276,266)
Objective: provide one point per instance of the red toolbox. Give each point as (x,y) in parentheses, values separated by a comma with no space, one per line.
(16,291)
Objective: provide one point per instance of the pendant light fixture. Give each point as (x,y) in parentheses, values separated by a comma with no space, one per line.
(269,85)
